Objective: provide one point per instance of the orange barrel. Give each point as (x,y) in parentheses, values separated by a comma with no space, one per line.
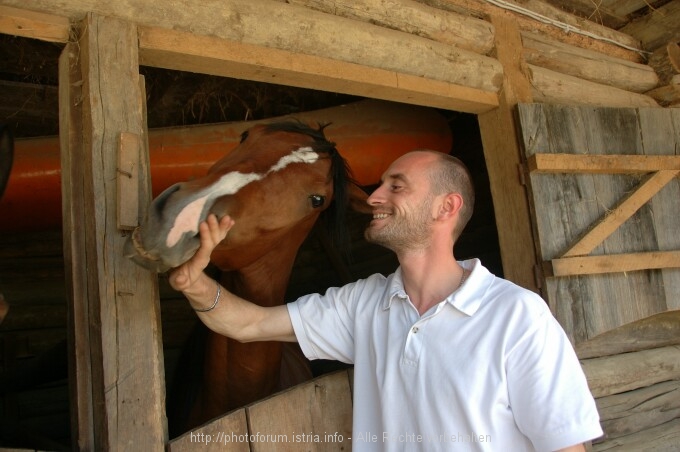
(370,134)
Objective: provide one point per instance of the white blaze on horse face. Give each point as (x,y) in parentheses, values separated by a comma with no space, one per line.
(189,217)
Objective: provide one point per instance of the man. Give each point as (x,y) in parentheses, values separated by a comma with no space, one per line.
(446,355)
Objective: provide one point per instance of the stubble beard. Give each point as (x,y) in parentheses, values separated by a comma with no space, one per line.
(405,233)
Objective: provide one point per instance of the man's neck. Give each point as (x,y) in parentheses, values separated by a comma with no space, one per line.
(429,276)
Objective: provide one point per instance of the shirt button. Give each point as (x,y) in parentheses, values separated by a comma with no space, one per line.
(414,329)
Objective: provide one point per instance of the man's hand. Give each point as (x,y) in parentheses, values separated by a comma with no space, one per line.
(212,232)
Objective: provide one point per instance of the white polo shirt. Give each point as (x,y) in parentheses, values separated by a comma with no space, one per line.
(489,368)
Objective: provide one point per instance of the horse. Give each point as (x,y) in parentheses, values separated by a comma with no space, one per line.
(276,184)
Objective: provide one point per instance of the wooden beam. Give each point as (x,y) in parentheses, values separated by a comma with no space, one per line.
(553,87)
(587,64)
(658,330)
(638,410)
(657,28)
(619,373)
(613,263)
(667,96)
(75,225)
(556,23)
(30,24)
(617,216)
(184,51)
(502,155)
(601,164)
(122,304)
(413,17)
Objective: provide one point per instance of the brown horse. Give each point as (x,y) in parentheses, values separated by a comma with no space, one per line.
(275,185)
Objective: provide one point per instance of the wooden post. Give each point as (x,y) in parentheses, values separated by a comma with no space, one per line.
(502,155)
(117,349)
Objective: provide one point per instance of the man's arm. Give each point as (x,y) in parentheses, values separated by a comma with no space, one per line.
(232,316)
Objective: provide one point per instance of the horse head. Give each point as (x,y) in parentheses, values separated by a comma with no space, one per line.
(276,182)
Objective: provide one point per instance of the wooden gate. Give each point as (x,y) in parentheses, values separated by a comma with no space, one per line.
(314,416)
(605,197)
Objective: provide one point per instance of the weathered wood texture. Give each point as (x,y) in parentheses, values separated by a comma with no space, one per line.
(664,437)
(74,216)
(314,416)
(554,87)
(566,206)
(666,62)
(503,155)
(556,24)
(298,29)
(185,51)
(20,22)
(412,17)
(641,409)
(620,373)
(657,28)
(114,297)
(588,64)
(658,330)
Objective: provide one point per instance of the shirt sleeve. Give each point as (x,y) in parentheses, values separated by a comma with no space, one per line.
(548,391)
(323,324)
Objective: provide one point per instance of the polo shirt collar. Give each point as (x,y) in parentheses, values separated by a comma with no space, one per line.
(467,299)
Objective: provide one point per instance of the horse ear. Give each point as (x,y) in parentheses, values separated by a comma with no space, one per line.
(357,199)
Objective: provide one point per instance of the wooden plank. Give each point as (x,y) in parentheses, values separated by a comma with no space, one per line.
(127,200)
(228,432)
(655,331)
(567,205)
(36,25)
(502,155)
(619,214)
(612,263)
(316,415)
(638,410)
(177,50)
(601,164)
(413,17)
(620,373)
(125,344)
(664,207)
(75,225)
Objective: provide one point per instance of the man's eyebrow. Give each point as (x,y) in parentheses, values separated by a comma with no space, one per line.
(396,177)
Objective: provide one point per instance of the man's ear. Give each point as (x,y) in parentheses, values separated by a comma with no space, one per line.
(450,205)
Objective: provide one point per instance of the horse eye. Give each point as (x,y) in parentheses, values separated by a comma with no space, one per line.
(317,200)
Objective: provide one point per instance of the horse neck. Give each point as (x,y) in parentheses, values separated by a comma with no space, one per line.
(265,281)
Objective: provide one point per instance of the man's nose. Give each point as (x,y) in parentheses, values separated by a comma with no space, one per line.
(376,198)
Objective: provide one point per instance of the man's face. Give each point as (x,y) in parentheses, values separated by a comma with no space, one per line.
(402,206)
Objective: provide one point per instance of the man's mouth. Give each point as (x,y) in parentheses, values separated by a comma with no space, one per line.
(380,216)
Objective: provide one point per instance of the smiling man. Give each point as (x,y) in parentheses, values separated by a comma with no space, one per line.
(446,355)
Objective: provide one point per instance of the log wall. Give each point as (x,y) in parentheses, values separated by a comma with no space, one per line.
(462,55)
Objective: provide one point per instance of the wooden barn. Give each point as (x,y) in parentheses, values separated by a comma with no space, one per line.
(565,111)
